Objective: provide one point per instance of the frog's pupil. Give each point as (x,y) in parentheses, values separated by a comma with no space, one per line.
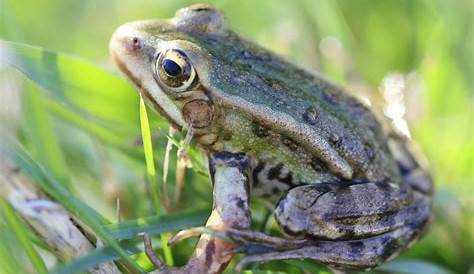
(171,67)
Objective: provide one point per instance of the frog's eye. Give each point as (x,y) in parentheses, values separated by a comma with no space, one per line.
(174,71)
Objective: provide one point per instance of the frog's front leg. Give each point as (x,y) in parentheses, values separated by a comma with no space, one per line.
(229,174)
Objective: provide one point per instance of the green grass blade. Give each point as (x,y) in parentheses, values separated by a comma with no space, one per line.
(156,225)
(101,132)
(42,135)
(150,164)
(22,235)
(151,173)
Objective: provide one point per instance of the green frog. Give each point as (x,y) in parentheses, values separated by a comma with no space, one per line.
(348,191)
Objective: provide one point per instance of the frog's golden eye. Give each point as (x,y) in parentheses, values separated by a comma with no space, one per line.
(174,71)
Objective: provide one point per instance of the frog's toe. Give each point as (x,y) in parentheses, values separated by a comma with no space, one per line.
(182,235)
(159,265)
(256,237)
(196,232)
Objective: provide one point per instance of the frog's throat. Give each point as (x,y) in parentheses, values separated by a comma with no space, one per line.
(159,101)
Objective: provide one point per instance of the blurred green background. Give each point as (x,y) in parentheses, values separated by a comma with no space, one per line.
(426,47)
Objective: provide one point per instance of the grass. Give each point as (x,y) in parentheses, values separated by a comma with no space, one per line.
(81,132)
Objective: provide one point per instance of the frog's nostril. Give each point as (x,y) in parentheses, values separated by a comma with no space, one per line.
(134,44)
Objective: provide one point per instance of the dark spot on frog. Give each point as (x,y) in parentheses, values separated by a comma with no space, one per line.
(311,115)
(318,165)
(225,135)
(390,246)
(336,142)
(255,173)
(260,130)
(210,252)
(274,172)
(239,160)
(240,203)
(289,143)
(357,247)
(288,180)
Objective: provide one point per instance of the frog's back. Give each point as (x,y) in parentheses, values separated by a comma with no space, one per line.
(307,111)
(262,78)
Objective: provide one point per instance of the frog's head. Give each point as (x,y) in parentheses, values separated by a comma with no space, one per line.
(168,67)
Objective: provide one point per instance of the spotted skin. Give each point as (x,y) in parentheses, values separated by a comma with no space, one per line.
(271,181)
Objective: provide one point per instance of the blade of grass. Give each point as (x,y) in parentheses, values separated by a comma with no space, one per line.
(41,133)
(151,173)
(103,133)
(11,253)
(56,190)
(150,164)
(22,235)
(156,225)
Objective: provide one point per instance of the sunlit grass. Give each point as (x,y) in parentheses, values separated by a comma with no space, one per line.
(154,190)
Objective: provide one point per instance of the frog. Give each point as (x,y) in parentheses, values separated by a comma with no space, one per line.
(347,190)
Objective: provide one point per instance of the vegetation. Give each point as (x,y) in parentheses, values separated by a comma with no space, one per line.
(78,131)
